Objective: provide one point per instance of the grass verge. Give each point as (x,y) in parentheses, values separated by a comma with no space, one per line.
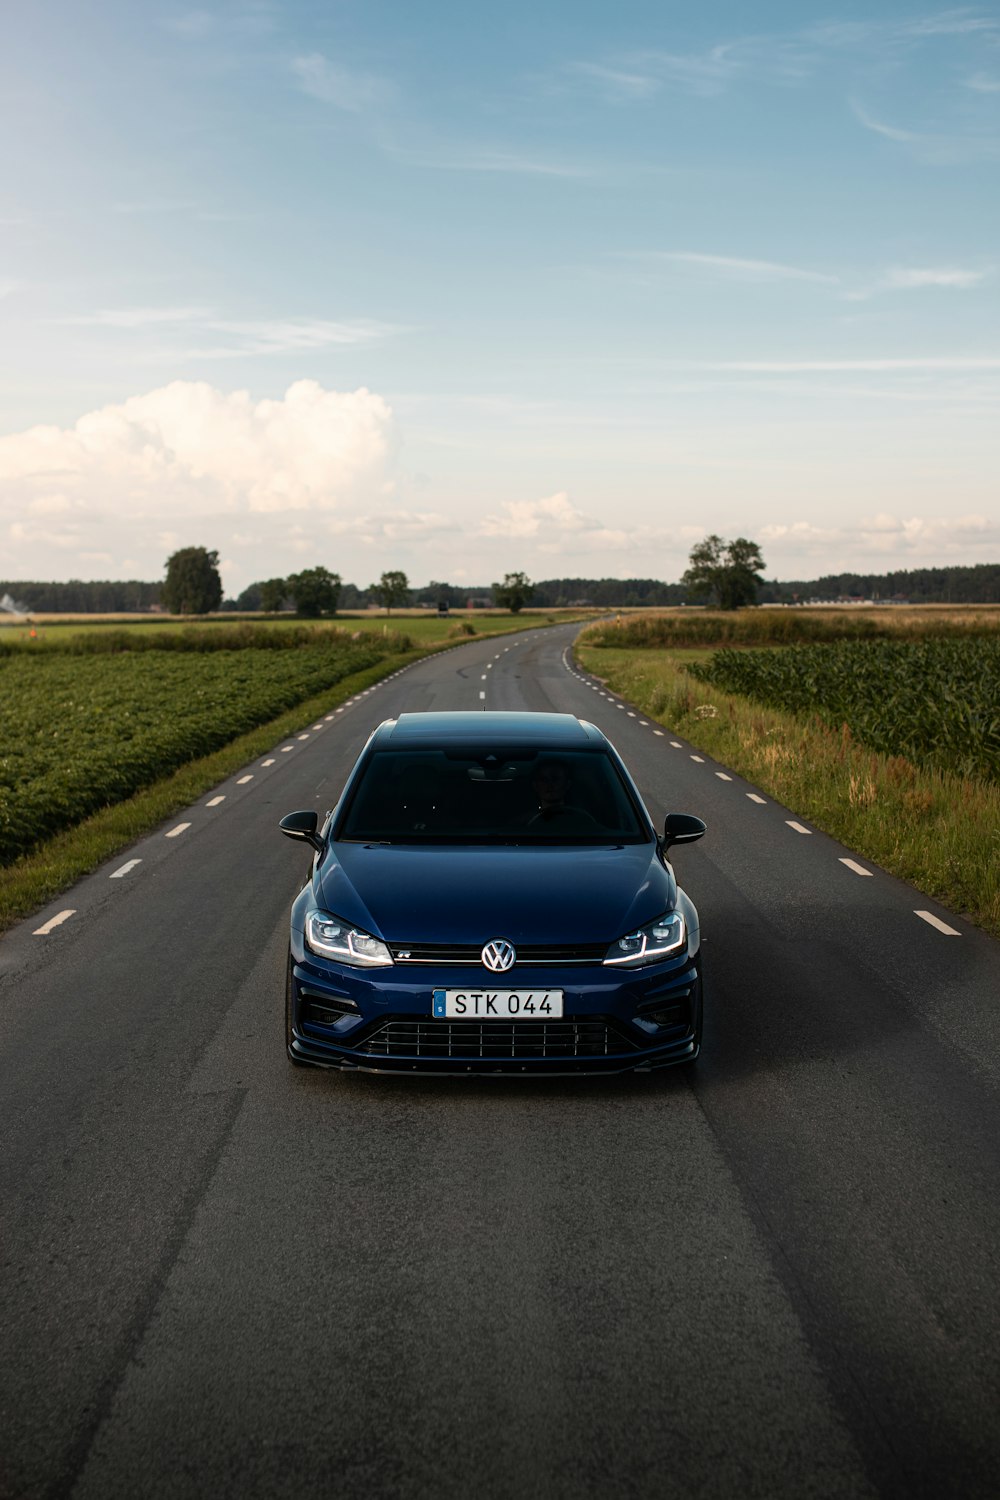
(938,831)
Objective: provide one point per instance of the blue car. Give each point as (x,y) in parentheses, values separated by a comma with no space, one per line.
(490,896)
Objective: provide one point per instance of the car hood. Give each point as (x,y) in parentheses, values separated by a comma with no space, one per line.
(405,893)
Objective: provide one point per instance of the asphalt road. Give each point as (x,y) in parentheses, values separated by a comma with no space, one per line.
(775,1276)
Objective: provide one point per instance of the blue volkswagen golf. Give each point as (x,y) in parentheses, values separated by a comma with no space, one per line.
(490,896)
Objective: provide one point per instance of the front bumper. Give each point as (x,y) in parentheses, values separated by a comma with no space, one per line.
(380,1020)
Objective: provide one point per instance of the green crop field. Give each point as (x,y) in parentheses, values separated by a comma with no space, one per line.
(936,702)
(888,743)
(81,731)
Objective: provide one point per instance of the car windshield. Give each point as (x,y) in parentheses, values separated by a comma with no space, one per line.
(491,796)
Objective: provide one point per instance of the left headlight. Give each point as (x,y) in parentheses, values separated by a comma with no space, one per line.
(328,935)
(659,939)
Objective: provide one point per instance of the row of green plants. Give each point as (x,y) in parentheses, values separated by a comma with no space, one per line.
(777,627)
(79,733)
(936,702)
(241,637)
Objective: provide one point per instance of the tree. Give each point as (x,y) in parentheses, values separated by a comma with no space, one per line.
(730,571)
(314,590)
(193,585)
(272,593)
(392,588)
(514,592)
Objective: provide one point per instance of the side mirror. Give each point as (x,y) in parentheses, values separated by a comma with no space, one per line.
(682,828)
(303,825)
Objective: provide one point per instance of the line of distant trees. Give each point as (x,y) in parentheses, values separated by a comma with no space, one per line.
(952,585)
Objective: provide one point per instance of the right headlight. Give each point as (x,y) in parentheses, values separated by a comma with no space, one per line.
(328,935)
(657,940)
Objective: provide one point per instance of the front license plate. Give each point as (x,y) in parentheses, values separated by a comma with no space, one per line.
(498,1005)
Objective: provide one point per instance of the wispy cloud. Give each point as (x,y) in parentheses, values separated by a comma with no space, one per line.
(484,158)
(239,336)
(984,83)
(731,267)
(917,278)
(281,336)
(342,87)
(136,317)
(932,147)
(958,362)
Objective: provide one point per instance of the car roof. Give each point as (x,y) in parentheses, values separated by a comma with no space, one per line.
(547,731)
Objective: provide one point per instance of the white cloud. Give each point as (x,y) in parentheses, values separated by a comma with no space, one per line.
(135,317)
(188,448)
(905,279)
(895,541)
(732,267)
(337,85)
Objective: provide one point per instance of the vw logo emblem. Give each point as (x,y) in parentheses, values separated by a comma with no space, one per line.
(499,956)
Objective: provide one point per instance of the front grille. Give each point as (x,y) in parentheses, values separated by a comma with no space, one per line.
(496,1039)
(471,954)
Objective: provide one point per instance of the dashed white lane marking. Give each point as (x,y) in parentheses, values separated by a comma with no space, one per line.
(215,801)
(797,826)
(853,865)
(722,776)
(676,744)
(174,832)
(124,869)
(928,916)
(482,697)
(619,705)
(268,762)
(644,723)
(483,678)
(489,666)
(658,732)
(754,798)
(699,758)
(340,710)
(330,716)
(316,726)
(631,714)
(287,749)
(243,780)
(53,922)
(303,736)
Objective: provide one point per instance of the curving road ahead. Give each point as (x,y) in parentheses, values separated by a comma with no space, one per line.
(776,1276)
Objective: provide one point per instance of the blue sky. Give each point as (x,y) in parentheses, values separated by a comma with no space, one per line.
(463,289)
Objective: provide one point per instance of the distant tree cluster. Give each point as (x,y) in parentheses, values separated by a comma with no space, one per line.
(75,597)
(608,593)
(955,585)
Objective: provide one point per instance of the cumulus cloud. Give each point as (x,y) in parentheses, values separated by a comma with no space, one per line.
(191,447)
(902,540)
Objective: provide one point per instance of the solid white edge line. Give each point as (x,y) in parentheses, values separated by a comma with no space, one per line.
(928,916)
(853,865)
(124,869)
(797,826)
(56,921)
(173,832)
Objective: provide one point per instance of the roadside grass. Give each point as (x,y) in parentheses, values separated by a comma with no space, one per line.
(779,627)
(939,832)
(36,877)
